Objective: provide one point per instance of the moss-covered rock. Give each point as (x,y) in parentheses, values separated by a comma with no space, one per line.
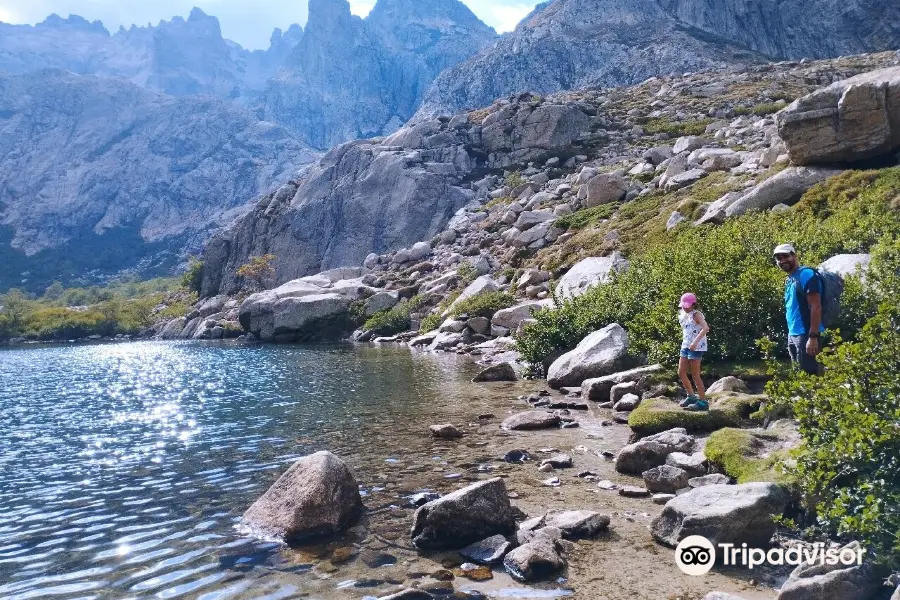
(660,414)
(750,455)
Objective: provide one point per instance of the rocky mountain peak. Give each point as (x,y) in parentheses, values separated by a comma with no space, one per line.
(399,11)
(327,13)
(73,22)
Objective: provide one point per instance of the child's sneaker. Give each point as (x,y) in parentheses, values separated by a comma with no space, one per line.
(691,399)
(699,406)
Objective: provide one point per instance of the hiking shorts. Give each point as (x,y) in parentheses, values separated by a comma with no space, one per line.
(692,354)
(797,350)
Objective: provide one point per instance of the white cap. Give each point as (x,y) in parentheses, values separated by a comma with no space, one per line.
(784,249)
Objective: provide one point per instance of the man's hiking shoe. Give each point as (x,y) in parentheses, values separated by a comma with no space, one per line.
(692,399)
(699,406)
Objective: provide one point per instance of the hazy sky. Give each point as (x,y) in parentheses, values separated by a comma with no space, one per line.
(248,22)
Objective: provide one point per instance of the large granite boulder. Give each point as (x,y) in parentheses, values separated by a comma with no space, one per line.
(465,516)
(847,264)
(723,514)
(650,452)
(850,120)
(787,187)
(590,272)
(316,496)
(601,353)
(318,317)
(606,188)
(834,582)
(172,330)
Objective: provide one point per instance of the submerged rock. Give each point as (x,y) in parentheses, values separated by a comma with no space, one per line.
(652,451)
(473,513)
(536,559)
(488,551)
(499,372)
(532,419)
(318,495)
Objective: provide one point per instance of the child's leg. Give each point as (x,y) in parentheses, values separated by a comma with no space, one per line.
(683,374)
(698,380)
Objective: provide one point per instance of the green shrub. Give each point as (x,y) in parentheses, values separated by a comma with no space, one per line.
(586,217)
(849,464)
(393,321)
(514,179)
(767,108)
(61,323)
(731,270)
(484,305)
(431,322)
(467,273)
(193,278)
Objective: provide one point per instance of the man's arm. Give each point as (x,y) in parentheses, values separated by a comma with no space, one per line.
(815,322)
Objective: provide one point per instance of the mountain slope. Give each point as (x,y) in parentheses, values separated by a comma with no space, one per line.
(567,44)
(85,159)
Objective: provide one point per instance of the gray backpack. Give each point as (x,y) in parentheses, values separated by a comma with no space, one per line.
(832,289)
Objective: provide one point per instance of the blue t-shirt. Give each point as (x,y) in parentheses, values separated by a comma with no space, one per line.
(795,305)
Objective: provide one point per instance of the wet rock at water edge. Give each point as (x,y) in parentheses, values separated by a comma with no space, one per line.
(465,516)
(537,559)
(499,372)
(488,551)
(665,479)
(317,495)
(530,420)
(578,524)
(445,432)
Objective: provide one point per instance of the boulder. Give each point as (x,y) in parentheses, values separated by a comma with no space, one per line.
(499,372)
(483,285)
(687,143)
(728,384)
(683,180)
(723,514)
(445,432)
(578,524)
(711,479)
(418,251)
(606,188)
(620,390)
(600,353)
(666,479)
(536,559)
(787,187)
(317,317)
(173,329)
(833,582)
(381,301)
(479,325)
(532,419)
(694,464)
(652,451)
(590,272)
(529,218)
(850,120)
(674,219)
(465,516)
(628,403)
(847,264)
(316,496)
(600,388)
(488,551)
(510,318)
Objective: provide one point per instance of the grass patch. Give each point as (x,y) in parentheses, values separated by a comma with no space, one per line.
(657,125)
(737,452)
(395,320)
(586,217)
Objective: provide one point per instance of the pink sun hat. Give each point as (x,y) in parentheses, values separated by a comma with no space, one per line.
(688,300)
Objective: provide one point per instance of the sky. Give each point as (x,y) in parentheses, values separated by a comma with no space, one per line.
(248,22)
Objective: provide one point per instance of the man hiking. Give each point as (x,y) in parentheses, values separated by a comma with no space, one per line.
(803,309)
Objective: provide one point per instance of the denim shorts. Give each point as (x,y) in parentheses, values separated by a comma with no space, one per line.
(692,354)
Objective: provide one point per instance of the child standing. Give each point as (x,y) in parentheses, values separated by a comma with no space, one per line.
(693,347)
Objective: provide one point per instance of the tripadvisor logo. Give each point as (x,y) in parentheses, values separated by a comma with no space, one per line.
(696,555)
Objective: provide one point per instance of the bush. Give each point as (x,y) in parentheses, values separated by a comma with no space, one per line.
(849,464)
(514,179)
(467,273)
(431,322)
(258,272)
(675,128)
(192,279)
(731,270)
(393,321)
(484,305)
(588,216)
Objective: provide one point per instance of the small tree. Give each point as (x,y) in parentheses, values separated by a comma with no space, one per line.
(14,309)
(258,272)
(54,291)
(192,279)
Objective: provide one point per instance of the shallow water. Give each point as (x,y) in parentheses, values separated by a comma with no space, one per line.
(126,467)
